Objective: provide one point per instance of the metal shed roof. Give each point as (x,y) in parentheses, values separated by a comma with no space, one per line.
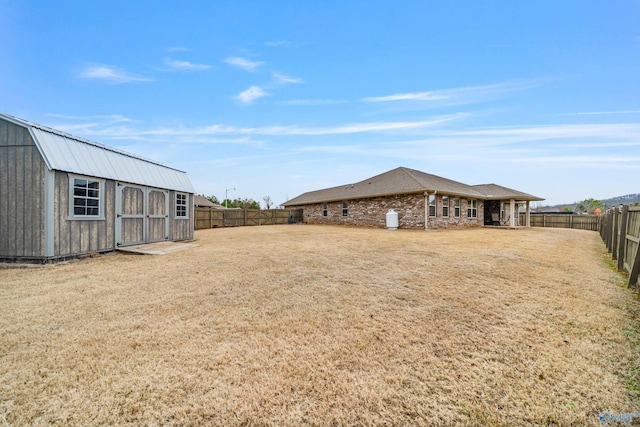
(68,153)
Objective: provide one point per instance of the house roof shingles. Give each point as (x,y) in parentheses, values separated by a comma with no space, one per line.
(202,201)
(404,181)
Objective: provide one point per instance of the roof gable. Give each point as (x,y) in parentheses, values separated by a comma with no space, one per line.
(404,181)
(496,192)
(68,153)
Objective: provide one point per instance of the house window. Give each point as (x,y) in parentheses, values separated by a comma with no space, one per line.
(432,205)
(472,208)
(182,210)
(456,207)
(345,209)
(445,205)
(325,209)
(86,197)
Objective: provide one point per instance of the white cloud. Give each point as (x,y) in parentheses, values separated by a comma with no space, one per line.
(457,96)
(335,130)
(416,96)
(185,65)
(531,133)
(177,49)
(277,43)
(243,63)
(117,129)
(111,74)
(598,113)
(312,102)
(110,118)
(284,79)
(251,94)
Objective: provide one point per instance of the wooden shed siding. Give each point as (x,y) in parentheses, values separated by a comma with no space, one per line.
(21,193)
(74,237)
(180,229)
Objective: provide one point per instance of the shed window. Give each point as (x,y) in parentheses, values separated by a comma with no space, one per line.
(456,207)
(432,205)
(445,205)
(325,209)
(85,197)
(472,208)
(345,209)
(182,210)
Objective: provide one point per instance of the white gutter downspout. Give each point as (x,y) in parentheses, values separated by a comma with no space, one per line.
(426,210)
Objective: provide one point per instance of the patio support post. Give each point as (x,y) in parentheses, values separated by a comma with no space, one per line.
(512,213)
(528,221)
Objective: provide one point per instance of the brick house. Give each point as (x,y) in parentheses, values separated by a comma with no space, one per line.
(422,201)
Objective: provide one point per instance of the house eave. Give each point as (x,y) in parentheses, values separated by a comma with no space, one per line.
(373,196)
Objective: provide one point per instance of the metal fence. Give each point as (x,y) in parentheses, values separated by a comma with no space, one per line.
(213,218)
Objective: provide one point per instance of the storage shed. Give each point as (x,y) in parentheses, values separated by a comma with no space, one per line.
(62,196)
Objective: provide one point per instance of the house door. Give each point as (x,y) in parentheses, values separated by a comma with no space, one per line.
(142,215)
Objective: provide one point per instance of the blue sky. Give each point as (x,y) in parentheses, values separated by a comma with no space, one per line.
(279,98)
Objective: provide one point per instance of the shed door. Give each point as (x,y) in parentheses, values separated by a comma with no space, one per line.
(142,215)
(158,215)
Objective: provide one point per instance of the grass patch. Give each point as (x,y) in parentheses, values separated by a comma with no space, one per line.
(314,325)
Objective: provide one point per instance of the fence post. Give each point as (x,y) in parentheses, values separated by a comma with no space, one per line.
(635,269)
(622,238)
(610,228)
(616,232)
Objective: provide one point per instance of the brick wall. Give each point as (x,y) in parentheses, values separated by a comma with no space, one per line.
(410,208)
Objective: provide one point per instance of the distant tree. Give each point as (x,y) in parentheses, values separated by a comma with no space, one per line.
(267,201)
(241,203)
(589,206)
(251,204)
(567,209)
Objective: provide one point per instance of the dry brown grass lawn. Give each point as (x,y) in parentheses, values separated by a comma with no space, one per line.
(319,325)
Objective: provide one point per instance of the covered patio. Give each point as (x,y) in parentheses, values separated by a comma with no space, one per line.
(505,213)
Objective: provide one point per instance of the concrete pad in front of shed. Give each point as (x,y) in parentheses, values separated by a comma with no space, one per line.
(158,248)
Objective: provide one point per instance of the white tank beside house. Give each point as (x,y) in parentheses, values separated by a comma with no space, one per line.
(392,220)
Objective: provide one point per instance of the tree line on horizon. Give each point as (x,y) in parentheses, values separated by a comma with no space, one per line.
(591,205)
(240,203)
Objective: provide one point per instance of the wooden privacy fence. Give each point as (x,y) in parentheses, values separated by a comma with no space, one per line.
(620,231)
(582,222)
(212,218)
